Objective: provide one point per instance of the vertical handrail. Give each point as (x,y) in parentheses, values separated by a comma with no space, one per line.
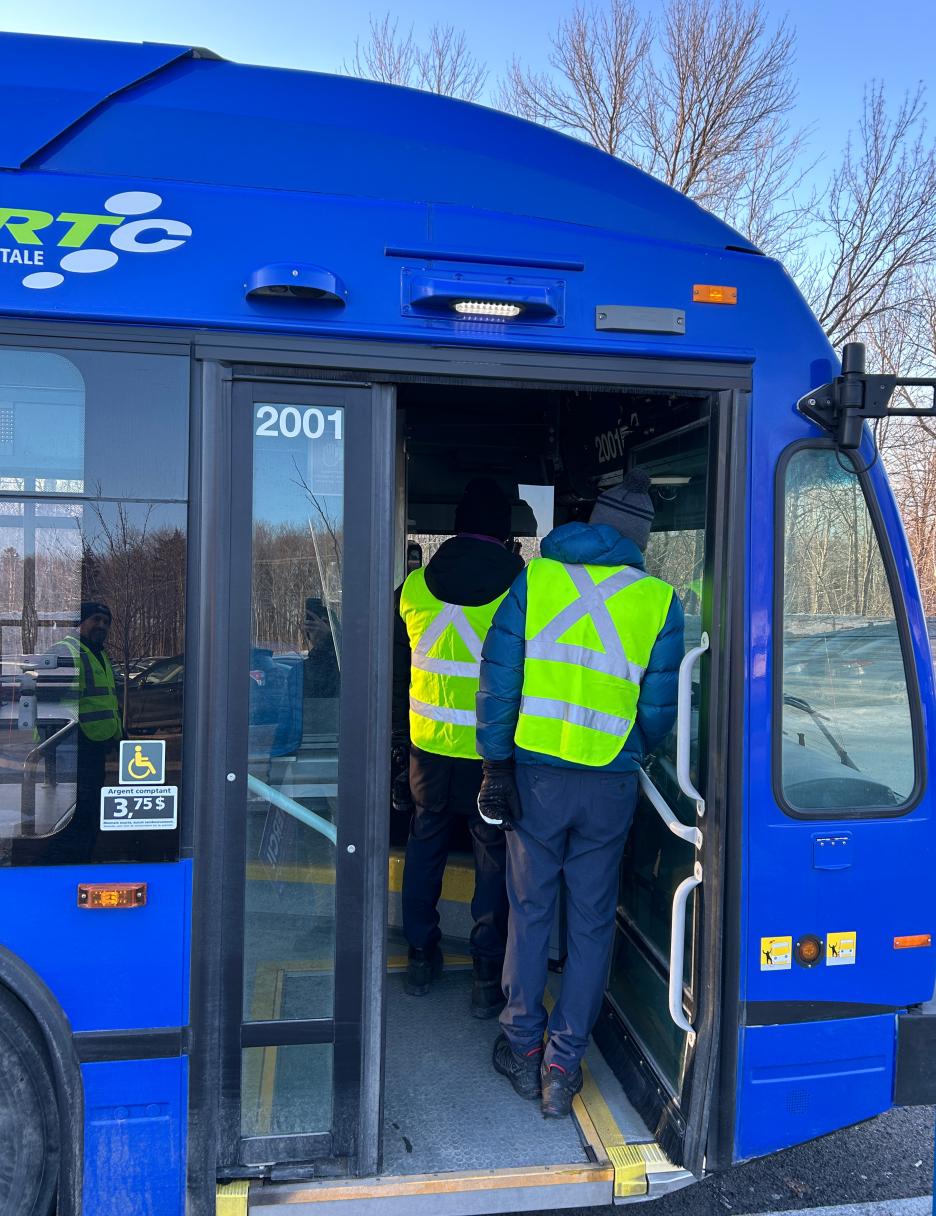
(684,723)
(678,950)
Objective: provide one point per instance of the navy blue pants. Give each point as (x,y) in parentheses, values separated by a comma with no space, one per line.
(573,830)
(443,788)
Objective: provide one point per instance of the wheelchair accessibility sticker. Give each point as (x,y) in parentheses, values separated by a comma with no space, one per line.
(142,761)
(841,949)
(776,953)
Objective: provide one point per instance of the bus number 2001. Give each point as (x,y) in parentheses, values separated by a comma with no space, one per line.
(289,422)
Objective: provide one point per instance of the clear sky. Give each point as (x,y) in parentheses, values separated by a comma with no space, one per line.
(842,43)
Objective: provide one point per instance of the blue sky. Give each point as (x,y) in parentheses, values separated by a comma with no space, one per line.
(842,43)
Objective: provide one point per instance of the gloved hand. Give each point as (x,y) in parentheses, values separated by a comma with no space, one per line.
(400,794)
(498,800)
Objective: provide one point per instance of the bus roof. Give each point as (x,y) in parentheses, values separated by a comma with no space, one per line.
(175,113)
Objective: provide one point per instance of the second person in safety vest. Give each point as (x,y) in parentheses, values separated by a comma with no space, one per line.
(578,682)
(445,611)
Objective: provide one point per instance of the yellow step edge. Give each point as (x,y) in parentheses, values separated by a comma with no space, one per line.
(231,1199)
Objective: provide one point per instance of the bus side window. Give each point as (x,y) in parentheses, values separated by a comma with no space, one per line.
(846,740)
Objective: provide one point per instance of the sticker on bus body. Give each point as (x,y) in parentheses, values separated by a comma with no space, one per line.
(136,808)
(841,949)
(776,953)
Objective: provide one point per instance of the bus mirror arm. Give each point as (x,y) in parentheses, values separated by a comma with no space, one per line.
(842,406)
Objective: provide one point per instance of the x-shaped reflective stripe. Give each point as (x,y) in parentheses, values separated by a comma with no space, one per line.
(591,602)
(454,615)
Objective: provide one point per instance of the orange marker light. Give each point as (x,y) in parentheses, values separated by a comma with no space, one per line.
(710,293)
(913,940)
(111,894)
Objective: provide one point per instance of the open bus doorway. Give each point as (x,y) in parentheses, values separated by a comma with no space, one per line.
(552,451)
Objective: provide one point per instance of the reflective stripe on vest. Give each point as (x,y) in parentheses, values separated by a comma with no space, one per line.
(445,641)
(589,634)
(98,712)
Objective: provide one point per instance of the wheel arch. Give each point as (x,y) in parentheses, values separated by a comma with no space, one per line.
(55,1032)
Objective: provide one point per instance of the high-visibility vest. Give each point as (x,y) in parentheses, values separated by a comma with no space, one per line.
(588,637)
(445,668)
(95,690)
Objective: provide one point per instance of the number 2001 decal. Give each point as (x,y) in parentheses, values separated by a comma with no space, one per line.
(289,422)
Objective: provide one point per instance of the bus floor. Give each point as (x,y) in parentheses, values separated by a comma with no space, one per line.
(445,1108)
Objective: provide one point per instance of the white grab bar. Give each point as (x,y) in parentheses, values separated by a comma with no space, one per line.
(678,950)
(684,723)
(684,831)
(294,808)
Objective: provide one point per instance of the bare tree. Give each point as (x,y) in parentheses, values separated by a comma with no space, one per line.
(443,65)
(593,89)
(877,220)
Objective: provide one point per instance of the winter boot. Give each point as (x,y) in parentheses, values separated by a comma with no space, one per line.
(487,997)
(421,969)
(559,1088)
(522,1071)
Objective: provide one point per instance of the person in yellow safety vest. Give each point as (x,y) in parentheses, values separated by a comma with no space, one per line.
(445,610)
(99,724)
(578,682)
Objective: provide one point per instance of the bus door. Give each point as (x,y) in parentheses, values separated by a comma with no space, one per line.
(305,761)
(659,1020)
(837,879)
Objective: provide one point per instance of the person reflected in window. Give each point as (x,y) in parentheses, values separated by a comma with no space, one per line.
(414,556)
(321,675)
(94,690)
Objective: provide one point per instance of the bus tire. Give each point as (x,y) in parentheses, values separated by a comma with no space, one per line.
(29,1117)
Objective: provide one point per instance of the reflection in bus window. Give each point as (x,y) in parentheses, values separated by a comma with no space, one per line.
(847,742)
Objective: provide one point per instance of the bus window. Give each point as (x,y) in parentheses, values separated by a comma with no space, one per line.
(92,594)
(846,739)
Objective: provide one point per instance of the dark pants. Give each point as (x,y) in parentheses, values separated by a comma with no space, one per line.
(574,826)
(443,788)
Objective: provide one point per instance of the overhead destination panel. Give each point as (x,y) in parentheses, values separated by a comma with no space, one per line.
(52,83)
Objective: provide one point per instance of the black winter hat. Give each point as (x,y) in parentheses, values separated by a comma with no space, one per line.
(484,508)
(90,608)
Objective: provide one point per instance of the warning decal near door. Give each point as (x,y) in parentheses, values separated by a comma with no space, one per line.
(841,949)
(776,953)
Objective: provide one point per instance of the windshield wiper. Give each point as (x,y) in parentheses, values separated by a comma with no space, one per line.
(838,748)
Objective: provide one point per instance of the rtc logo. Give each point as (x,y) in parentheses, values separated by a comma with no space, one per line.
(151,235)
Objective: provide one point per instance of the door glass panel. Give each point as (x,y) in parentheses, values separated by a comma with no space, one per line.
(655,861)
(286,1090)
(847,741)
(293,689)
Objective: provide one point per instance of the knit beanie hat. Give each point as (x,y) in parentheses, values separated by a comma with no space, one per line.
(92,608)
(627,508)
(484,509)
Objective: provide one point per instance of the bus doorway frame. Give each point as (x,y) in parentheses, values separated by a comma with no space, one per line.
(383,365)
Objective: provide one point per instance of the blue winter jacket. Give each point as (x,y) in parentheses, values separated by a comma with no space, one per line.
(502,657)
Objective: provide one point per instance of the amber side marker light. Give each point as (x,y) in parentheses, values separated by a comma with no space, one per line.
(711,293)
(808,950)
(914,939)
(111,894)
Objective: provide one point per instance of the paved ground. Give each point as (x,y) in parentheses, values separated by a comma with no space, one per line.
(884,1166)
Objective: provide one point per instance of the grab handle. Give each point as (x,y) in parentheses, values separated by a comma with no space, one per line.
(660,805)
(678,950)
(684,723)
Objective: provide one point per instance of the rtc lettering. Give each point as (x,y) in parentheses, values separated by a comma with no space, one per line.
(24,226)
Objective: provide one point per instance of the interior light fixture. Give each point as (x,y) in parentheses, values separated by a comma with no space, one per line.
(487,308)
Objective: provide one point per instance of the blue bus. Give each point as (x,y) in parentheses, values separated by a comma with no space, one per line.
(258,328)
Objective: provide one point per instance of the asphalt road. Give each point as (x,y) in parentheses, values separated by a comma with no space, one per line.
(890,1157)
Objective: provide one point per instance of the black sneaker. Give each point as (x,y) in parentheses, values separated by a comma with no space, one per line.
(523,1071)
(421,969)
(487,996)
(559,1088)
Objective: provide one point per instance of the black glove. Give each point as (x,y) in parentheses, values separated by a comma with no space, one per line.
(498,800)
(400,794)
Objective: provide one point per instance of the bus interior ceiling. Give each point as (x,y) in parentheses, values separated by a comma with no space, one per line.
(445,1108)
